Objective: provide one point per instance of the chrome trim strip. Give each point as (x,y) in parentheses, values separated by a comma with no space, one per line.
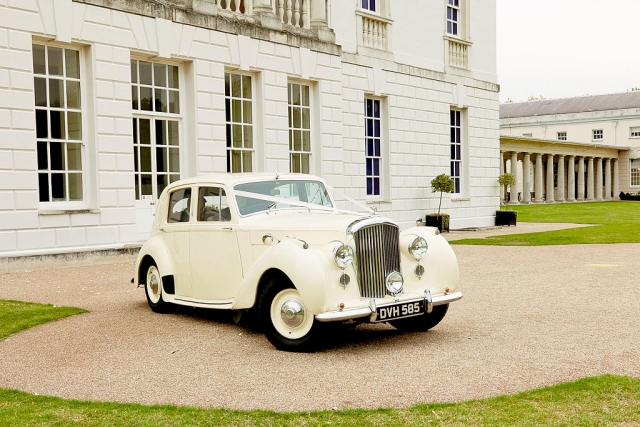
(446,299)
(361,223)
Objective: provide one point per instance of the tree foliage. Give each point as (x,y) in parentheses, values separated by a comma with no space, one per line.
(442,183)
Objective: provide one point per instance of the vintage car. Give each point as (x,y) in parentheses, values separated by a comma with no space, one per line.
(278,245)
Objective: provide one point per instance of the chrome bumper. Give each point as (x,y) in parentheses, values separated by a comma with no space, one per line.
(337,316)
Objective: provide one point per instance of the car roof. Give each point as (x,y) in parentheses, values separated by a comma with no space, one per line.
(231,179)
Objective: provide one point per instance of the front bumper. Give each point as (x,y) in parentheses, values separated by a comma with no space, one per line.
(371,312)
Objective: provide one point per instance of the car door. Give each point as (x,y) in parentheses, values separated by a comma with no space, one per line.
(216,266)
(176,234)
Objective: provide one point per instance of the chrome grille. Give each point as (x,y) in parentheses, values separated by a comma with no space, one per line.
(377,255)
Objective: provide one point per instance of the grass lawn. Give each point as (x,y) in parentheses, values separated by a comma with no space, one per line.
(602,400)
(616,222)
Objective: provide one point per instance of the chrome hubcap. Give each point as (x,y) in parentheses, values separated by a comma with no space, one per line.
(153,284)
(292,313)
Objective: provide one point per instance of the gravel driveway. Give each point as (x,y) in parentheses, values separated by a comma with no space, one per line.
(531,316)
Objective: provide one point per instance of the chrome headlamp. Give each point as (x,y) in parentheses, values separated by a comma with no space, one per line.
(394,283)
(418,248)
(342,255)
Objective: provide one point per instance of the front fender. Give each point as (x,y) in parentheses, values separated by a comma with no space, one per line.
(306,268)
(156,249)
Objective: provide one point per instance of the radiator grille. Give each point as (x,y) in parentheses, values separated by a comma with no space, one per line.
(377,255)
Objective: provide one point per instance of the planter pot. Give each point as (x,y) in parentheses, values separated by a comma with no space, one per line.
(506,218)
(440,221)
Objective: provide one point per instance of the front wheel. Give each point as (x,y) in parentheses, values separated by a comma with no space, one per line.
(287,323)
(153,289)
(423,322)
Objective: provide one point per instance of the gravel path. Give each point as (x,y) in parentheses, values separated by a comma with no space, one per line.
(531,316)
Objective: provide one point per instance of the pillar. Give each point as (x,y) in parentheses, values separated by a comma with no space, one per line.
(550,197)
(503,191)
(319,24)
(590,180)
(560,197)
(607,179)
(264,16)
(571,179)
(514,172)
(616,178)
(526,178)
(581,179)
(538,178)
(599,183)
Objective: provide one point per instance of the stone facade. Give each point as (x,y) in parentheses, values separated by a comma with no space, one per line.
(396,55)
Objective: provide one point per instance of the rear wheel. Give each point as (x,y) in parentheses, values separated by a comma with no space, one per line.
(423,322)
(153,289)
(286,322)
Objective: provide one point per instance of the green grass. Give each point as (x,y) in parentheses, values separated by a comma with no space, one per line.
(603,400)
(615,222)
(16,316)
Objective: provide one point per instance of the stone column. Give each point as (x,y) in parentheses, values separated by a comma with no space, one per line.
(514,172)
(526,178)
(616,178)
(503,191)
(599,183)
(264,16)
(607,179)
(581,179)
(538,178)
(590,180)
(319,24)
(571,178)
(550,195)
(560,197)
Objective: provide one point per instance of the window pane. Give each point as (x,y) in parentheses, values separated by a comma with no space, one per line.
(134,97)
(247,161)
(297,140)
(297,119)
(55,61)
(172,133)
(305,96)
(235,86)
(56,93)
(145,73)
(40,90)
(174,160)
(161,100)
(57,124)
(42,124)
(246,87)
(146,188)
(237,136)
(246,112)
(72,62)
(56,154)
(173,77)
(74,157)
(43,187)
(174,102)
(306,118)
(161,134)
(227,84)
(73,94)
(145,132)
(160,75)
(248,137)
(145,160)
(39,65)
(305,163)
(58,187)
(74,126)
(236,111)
(146,94)
(236,165)
(295,163)
(161,160)
(306,141)
(134,71)
(376,128)
(75,186)
(43,156)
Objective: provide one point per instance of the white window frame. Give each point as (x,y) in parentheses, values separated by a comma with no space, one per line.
(230,122)
(382,156)
(454,7)
(67,204)
(634,176)
(634,132)
(561,136)
(366,5)
(302,129)
(458,140)
(153,116)
(597,134)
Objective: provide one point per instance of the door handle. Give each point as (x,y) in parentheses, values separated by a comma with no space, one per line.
(227,228)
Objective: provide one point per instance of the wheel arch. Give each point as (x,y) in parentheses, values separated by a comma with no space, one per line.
(153,251)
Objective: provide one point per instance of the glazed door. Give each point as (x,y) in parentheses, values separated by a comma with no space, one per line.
(156,155)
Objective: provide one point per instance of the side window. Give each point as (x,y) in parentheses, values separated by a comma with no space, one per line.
(179,205)
(213,205)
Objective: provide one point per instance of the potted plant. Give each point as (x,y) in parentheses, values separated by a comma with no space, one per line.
(506,217)
(442,183)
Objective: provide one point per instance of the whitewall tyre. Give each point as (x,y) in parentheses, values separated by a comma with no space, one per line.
(153,289)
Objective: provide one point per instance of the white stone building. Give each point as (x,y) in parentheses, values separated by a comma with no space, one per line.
(573,149)
(103,102)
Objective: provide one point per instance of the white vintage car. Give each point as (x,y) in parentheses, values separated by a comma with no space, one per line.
(278,245)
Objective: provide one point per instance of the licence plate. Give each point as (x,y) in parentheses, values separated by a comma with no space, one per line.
(398,311)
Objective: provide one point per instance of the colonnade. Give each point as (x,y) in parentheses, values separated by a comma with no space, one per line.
(561,178)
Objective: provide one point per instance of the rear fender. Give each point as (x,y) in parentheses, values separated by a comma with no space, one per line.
(156,250)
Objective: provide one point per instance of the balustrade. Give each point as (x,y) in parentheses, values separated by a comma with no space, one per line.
(374,32)
(458,54)
(241,7)
(292,12)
